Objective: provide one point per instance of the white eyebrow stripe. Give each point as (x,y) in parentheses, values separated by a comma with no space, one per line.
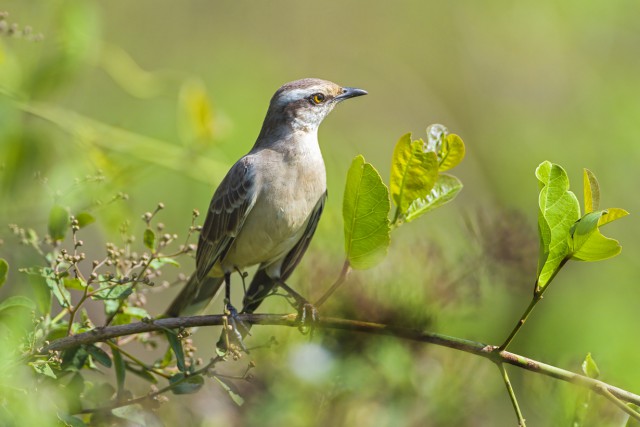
(297,94)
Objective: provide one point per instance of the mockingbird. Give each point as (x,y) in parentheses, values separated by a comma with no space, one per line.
(267,207)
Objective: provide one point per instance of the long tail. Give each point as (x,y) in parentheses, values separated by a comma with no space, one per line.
(195,296)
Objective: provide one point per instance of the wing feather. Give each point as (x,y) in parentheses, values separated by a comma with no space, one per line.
(230,205)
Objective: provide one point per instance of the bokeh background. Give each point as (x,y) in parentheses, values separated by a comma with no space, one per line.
(159,98)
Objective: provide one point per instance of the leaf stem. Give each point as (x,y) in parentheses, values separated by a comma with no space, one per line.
(512,395)
(346,268)
(619,403)
(523,319)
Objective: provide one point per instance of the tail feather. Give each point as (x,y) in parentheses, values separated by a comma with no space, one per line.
(195,296)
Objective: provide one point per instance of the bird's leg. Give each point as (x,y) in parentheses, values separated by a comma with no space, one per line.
(307,312)
(231,311)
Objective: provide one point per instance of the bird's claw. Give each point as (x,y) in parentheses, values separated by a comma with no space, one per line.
(308,318)
(237,327)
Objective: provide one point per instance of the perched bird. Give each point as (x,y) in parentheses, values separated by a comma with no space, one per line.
(266,209)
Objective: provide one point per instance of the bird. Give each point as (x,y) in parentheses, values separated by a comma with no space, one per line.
(266,209)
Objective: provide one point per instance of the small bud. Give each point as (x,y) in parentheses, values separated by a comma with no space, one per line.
(160,205)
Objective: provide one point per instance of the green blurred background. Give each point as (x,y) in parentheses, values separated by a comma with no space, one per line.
(161,97)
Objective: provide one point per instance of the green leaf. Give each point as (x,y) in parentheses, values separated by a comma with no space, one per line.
(4,271)
(43,369)
(413,172)
(59,291)
(142,373)
(59,222)
(110,292)
(71,421)
(591,191)
(17,301)
(73,359)
(589,367)
(231,390)
(451,153)
(149,239)
(445,190)
(120,369)
(84,219)
(588,244)
(158,263)
(611,214)
(74,283)
(186,385)
(137,312)
(99,355)
(176,346)
(365,211)
(558,211)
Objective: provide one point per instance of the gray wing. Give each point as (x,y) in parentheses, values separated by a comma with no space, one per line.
(295,255)
(262,284)
(230,205)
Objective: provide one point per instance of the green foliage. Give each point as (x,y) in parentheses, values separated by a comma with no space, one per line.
(365,212)
(589,367)
(59,221)
(4,271)
(558,211)
(413,172)
(563,233)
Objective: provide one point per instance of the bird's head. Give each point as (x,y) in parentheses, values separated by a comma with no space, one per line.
(303,104)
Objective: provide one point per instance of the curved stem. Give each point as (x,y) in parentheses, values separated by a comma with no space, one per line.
(346,268)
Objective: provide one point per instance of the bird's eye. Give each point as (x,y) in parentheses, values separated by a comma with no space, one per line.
(317,98)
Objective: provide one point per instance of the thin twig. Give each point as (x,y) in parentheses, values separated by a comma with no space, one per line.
(512,395)
(479,349)
(346,268)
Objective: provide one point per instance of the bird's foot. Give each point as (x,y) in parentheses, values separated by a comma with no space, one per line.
(235,330)
(308,318)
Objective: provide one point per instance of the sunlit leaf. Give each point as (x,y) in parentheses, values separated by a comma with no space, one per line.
(59,222)
(445,190)
(176,346)
(452,152)
(135,414)
(186,385)
(74,283)
(611,214)
(591,191)
(365,211)
(4,271)
(588,244)
(590,368)
(413,172)
(558,211)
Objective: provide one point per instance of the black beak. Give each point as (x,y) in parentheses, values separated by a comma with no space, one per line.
(350,92)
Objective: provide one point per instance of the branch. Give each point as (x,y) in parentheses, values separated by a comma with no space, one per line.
(487,351)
